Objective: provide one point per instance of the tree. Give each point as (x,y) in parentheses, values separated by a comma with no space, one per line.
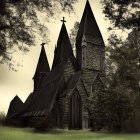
(126,59)
(19,22)
(118,108)
(96,104)
(123,78)
(73,33)
(124,14)
(122,59)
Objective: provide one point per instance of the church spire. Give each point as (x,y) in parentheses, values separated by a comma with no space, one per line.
(43,65)
(63,51)
(89,53)
(88,25)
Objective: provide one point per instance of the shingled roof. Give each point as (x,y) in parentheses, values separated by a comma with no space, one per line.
(43,65)
(63,51)
(88,25)
(41,102)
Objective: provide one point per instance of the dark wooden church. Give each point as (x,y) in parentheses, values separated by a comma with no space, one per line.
(59,95)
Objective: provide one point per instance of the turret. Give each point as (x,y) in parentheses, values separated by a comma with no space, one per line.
(89,42)
(42,69)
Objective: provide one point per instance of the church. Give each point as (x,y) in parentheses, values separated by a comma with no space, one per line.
(59,95)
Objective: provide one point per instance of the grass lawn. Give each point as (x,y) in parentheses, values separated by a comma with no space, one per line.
(9,133)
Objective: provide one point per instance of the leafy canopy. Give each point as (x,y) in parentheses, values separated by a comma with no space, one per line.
(19,22)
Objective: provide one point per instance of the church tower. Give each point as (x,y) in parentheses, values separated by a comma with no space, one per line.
(63,53)
(64,57)
(42,69)
(63,50)
(89,43)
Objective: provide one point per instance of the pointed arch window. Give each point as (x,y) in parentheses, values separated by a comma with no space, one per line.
(84,56)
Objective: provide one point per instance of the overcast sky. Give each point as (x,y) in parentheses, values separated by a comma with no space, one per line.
(20,83)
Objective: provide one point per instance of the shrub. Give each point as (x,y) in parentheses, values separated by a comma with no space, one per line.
(2,118)
(119,109)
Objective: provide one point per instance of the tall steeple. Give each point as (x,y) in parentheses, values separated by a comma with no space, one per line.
(42,67)
(89,52)
(63,50)
(88,25)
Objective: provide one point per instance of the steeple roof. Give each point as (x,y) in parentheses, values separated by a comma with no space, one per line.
(43,65)
(88,25)
(63,51)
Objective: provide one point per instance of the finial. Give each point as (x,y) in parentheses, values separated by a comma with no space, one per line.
(43,44)
(63,20)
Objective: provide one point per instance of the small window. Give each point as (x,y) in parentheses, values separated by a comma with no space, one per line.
(84,57)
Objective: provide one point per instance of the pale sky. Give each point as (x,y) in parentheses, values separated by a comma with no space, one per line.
(20,83)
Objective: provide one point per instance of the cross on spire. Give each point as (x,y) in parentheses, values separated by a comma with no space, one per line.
(43,44)
(63,20)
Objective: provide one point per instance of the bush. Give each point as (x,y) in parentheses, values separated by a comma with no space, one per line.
(119,109)
(46,124)
(2,118)
(96,103)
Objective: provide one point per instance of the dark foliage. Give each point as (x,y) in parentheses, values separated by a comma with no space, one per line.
(2,118)
(45,125)
(19,22)
(124,61)
(118,108)
(73,34)
(123,80)
(122,13)
(96,103)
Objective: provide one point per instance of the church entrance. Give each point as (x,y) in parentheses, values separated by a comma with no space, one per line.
(75,120)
